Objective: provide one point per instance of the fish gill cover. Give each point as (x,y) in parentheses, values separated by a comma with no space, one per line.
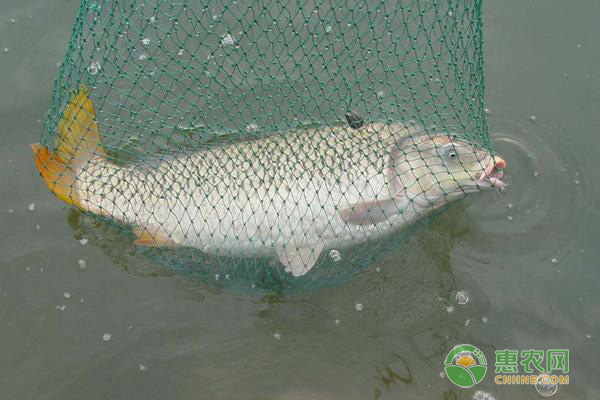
(272,144)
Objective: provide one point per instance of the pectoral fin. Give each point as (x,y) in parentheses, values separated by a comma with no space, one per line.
(152,238)
(298,260)
(369,212)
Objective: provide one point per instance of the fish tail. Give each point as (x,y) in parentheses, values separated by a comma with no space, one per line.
(77,141)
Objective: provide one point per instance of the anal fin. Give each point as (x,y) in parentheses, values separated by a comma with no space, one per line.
(154,238)
(298,260)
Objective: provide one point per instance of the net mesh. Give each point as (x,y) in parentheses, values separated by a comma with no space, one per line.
(278,144)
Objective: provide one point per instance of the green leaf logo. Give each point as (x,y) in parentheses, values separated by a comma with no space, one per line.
(465,365)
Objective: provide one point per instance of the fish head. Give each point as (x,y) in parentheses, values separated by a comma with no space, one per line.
(433,170)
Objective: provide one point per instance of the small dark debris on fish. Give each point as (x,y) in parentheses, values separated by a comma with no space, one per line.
(354,120)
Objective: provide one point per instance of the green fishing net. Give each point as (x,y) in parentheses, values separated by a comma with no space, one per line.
(256,142)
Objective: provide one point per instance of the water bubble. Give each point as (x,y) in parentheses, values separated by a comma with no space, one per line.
(145,41)
(37,227)
(67,295)
(484,319)
(82,264)
(6,49)
(509,206)
(565,75)
(180,52)
(142,367)
(106,337)
(328,29)
(462,298)
(358,307)
(536,174)
(94,67)
(510,218)
(481,395)
(142,57)
(12,20)
(578,46)
(545,389)
(335,255)
(227,39)
(31,207)
(251,127)
(337,322)
(10,210)
(554,261)
(588,336)
(533,118)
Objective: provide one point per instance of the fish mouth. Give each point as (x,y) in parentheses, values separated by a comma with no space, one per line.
(492,174)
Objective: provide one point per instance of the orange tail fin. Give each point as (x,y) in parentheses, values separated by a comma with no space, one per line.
(77,141)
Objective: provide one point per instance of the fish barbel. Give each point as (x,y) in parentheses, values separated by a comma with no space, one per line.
(287,196)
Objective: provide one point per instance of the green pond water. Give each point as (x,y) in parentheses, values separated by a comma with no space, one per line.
(77,322)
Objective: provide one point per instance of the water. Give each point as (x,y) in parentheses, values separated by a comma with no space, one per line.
(141,333)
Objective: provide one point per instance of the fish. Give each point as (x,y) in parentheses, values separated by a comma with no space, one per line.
(290,197)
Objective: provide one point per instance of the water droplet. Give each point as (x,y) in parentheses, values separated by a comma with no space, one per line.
(486,110)
(462,298)
(10,210)
(554,261)
(328,29)
(588,336)
(358,307)
(31,207)
(277,335)
(61,308)
(533,118)
(509,206)
(510,218)
(106,337)
(67,295)
(142,367)
(142,57)
(145,41)
(449,13)
(83,241)
(484,320)
(536,174)
(450,309)
(82,264)
(227,39)
(576,182)
(94,67)
(578,46)
(180,52)
(12,20)
(377,269)
(335,255)
(337,322)
(545,389)
(6,49)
